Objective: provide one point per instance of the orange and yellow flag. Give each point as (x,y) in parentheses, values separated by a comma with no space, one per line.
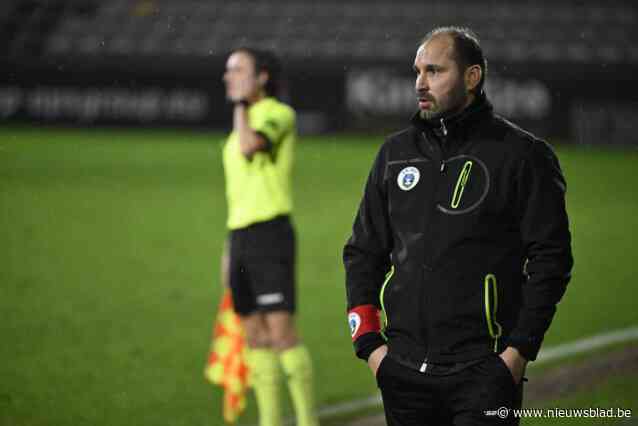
(226,364)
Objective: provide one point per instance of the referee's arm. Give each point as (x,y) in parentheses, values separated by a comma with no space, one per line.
(249,141)
(545,233)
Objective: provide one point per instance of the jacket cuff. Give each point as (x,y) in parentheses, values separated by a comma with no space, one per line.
(367,343)
(528,346)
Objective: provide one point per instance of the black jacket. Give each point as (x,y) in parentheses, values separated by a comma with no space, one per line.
(467,223)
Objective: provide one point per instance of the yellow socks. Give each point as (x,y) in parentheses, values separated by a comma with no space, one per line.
(297,365)
(265,379)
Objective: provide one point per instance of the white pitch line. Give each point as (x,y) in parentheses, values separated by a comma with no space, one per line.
(587,344)
(550,354)
(350,406)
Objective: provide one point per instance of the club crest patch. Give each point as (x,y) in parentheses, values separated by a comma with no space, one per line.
(354,320)
(408,178)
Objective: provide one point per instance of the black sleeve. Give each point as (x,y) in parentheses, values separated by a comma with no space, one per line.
(545,235)
(366,255)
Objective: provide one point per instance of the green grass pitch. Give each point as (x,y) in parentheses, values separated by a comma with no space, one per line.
(109,266)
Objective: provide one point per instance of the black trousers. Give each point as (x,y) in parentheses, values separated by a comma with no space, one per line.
(481,394)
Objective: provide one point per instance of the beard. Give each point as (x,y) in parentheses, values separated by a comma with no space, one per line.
(449,105)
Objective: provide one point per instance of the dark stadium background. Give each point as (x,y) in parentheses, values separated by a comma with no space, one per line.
(112,209)
(565,69)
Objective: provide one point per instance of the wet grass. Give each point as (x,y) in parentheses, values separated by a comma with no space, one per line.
(109,268)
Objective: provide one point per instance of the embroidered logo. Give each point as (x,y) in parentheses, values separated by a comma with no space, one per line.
(354,320)
(408,178)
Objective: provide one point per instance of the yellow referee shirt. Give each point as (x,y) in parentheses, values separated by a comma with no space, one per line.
(258,189)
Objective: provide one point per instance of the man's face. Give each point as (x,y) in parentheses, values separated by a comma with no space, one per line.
(242,83)
(440,86)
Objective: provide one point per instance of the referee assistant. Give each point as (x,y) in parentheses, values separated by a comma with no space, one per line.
(259,257)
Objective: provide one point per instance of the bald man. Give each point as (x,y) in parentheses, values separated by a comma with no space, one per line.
(462,242)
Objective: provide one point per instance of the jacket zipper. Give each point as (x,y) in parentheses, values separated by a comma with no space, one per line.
(460,184)
(388,277)
(424,365)
(493,327)
(443,127)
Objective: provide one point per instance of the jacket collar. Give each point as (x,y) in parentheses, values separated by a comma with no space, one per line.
(476,111)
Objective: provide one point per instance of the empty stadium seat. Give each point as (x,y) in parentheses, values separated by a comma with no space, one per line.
(511,31)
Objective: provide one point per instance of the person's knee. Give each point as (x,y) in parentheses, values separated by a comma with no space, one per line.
(283,338)
(258,340)
(257,335)
(284,343)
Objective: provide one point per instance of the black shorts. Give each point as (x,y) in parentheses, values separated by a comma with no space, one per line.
(262,267)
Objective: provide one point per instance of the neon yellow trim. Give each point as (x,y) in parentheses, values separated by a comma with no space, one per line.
(490,286)
(460,184)
(385,283)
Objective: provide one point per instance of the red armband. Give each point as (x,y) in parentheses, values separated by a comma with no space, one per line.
(363,319)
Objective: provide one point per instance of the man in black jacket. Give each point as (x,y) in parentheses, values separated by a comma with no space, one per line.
(462,241)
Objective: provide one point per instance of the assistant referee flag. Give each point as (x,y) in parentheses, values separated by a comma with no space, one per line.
(227,365)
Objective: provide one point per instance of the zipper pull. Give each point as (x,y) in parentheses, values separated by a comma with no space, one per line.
(424,366)
(442,166)
(443,128)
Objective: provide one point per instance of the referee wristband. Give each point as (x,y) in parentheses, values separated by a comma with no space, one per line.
(363,319)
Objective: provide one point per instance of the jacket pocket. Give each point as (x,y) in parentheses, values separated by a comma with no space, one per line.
(505,370)
(382,300)
(490,302)
(380,369)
